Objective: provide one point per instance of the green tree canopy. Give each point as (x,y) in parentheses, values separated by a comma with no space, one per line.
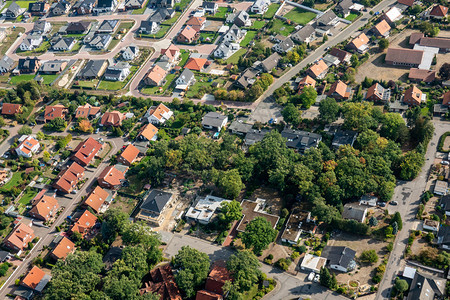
(329,110)
(258,234)
(114,222)
(369,256)
(244,266)
(291,114)
(308,96)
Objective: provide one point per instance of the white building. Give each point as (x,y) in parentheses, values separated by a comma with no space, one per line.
(158,115)
(225,50)
(205,209)
(260,7)
(28,146)
(313,263)
(130,52)
(31,42)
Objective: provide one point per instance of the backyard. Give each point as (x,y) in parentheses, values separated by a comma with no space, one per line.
(22,4)
(258,25)
(235,57)
(278,26)
(117,85)
(271,11)
(10,39)
(89,84)
(248,37)
(16,179)
(155,89)
(201,81)
(48,79)
(184,57)
(27,196)
(351,17)
(161,33)
(24,77)
(221,13)
(300,16)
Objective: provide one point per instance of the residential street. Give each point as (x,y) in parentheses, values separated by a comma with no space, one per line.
(407,194)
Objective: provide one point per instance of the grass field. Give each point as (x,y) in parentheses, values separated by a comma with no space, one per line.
(300,16)
(193,90)
(258,25)
(221,13)
(172,20)
(113,43)
(48,79)
(248,37)
(235,57)
(15,181)
(278,26)
(24,77)
(27,196)
(22,4)
(140,11)
(10,39)
(38,51)
(86,83)
(205,35)
(351,17)
(183,4)
(153,90)
(271,11)
(117,85)
(125,25)
(161,33)
(184,57)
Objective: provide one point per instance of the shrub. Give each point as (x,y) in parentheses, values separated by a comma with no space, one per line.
(283,263)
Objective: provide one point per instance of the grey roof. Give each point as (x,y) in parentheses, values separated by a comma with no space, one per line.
(132,49)
(61,5)
(113,73)
(187,75)
(37,7)
(100,40)
(213,119)
(339,255)
(108,25)
(240,127)
(326,18)
(156,201)
(119,65)
(271,62)
(27,63)
(426,287)
(301,140)
(207,4)
(105,3)
(303,33)
(6,62)
(247,78)
(444,235)
(39,26)
(255,136)
(354,211)
(160,15)
(241,18)
(344,5)
(398,105)
(3,255)
(14,8)
(81,26)
(286,45)
(63,42)
(439,108)
(344,137)
(445,203)
(92,68)
(235,32)
(52,66)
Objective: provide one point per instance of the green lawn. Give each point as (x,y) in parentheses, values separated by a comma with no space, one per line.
(125,25)
(184,57)
(300,16)
(248,37)
(15,181)
(235,57)
(271,11)
(161,33)
(10,39)
(183,4)
(27,196)
(258,25)
(173,19)
(117,85)
(278,26)
(48,79)
(113,43)
(91,84)
(201,81)
(351,17)
(204,35)
(38,51)
(154,89)
(221,13)
(22,4)
(24,77)
(140,11)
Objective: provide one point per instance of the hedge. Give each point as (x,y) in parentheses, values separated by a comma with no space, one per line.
(441,142)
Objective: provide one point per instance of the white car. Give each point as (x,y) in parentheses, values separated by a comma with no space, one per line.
(317,278)
(445,163)
(311,276)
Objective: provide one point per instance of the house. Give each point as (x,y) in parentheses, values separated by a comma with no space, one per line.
(226,49)
(299,222)
(331,60)
(340,258)
(161,3)
(254,136)
(327,20)
(344,137)
(407,3)
(260,7)
(438,12)
(238,127)
(214,121)
(420,75)
(84,7)
(64,44)
(382,29)
(38,8)
(253,209)
(270,62)
(439,110)
(196,64)
(378,93)
(170,54)
(13,11)
(247,79)
(185,80)
(445,205)
(318,70)
(44,209)
(31,42)
(28,146)
(148,133)
(284,46)
(118,71)
(59,8)
(158,115)
(196,23)
(161,14)
(149,27)
(354,211)
(105,6)
(100,41)
(36,279)
(93,69)
(413,96)
(392,15)
(188,35)
(41,27)
(11,109)
(84,223)
(87,111)
(306,81)
(359,44)
(442,43)
(305,34)
(113,118)
(398,106)
(53,67)
(6,64)
(134,4)
(204,209)
(234,35)
(86,151)
(312,263)
(153,207)
(214,283)
(19,238)
(339,90)
(242,19)
(55,111)
(128,155)
(301,140)
(64,248)
(210,7)
(443,238)
(426,287)
(446,98)
(404,57)
(368,200)
(343,56)
(345,7)
(67,180)
(112,177)
(28,65)
(130,52)
(80,27)
(431,225)
(440,188)
(108,26)
(98,199)
(162,282)
(155,77)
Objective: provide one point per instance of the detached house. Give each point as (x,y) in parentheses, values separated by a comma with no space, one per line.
(118,71)
(343,56)
(260,7)
(97,199)
(378,93)
(100,41)
(382,29)
(130,52)
(41,27)
(28,65)
(128,155)
(19,238)
(38,8)
(11,109)
(53,67)
(188,35)
(64,248)
(301,140)
(170,54)
(84,223)
(284,46)
(318,70)
(28,146)
(339,90)
(78,27)
(155,77)
(105,6)
(84,7)
(158,115)
(196,64)
(149,27)
(113,118)
(148,133)
(359,44)
(59,8)
(306,81)
(197,23)
(112,177)
(44,209)
(214,121)
(242,19)
(13,11)
(438,12)
(64,44)
(86,151)
(108,26)
(134,4)
(226,49)
(185,80)
(210,7)
(93,69)
(67,180)
(87,111)
(413,96)
(55,111)
(304,35)
(6,64)
(354,211)
(153,207)
(234,35)
(31,42)
(36,279)
(340,258)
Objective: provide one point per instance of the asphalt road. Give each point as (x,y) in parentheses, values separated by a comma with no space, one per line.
(407,194)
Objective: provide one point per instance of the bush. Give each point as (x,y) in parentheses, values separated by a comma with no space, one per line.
(295,255)
(283,263)
(369,256)
(441,142)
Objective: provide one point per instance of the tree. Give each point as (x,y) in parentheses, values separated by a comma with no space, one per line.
(230,183)
(428,29)
(63,141)
(326,279)
(231,211)
(194,268)
(369,256)
(401,285)
(85,125)
(244,266)
(410,165)
(114,223)
(293,57)
(383,44)
(444,71)
(398,219)
(329,110)
(354,60)
(57,124)
(308,96)
(291,114)
(258,235)
(415,10)
(25,130)
(392,126)
(373,221)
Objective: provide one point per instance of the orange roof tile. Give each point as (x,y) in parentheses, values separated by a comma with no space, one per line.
(129,155)
(171,51)
(84,223)
(28,144)
(189,33)
(159,111)
(413,95)
(85,111)
(20,236)
(156,74)
(148,131)
(195,63)
(44,208)
(11,108)
(439,11)
(64,247)
(307,81)
(69,177)
(382,27)
(207,295)
(446,100)
(33,277)
(339,88)
(96,198)
(318,68)
(113,118)
(54,111)
(359,41)
(112,176)
(86,151)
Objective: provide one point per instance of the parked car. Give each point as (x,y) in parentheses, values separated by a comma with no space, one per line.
(393,203)
(445,163)
(382,204)
(311,276)
(317,278)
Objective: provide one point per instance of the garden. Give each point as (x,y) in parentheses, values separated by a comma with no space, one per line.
(280,27)
(300,16)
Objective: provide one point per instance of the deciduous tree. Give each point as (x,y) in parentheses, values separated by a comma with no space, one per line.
(258,234)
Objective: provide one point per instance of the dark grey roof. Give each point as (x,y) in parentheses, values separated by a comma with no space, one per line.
(339,255)
(286,45)
(108,25)
(39,26)
(344,6)
(63,42)
(14,8)
(187,75)
(92,68)
(207,4)
(444,235)
(241,18)
(255,136)
(213,119)
(6,62)
(354,211)
(160,15)
(301,140)
(156,201)
(62,6)
(344,137)
(271,62)
(84,3)
(52,66)
(439,108)
(81,26)
(426,287)
(326,18)
(445,203)
(240,127)
(37,7)
(113,73)
(247,78)
(100,40)
(303,33)
(3,255)
(105,3)
(27,63)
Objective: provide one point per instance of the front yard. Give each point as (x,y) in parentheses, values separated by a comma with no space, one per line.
(117,85)
(24,77)
(155,89)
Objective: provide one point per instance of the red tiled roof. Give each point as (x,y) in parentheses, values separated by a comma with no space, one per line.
(439,11)
(340,54)
(11,108)
(33,278)
(446,100)
(86,111)
(339,88)
(196,64)
(188,33)
(360,40)
(162,282)
(54,111)
(113,118)
(64,247)
(84,223)
(129,155)
(318,68)
(148,131)
(382,27)
(96,198)
(207,295)
(69,177)
(20,236)
(171,51)
(44,208)
(422,75)
(111,176)
(86,151)
(406,2)
(159,111)
(28,144)
(413,96)
(216,279)
(415,37)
